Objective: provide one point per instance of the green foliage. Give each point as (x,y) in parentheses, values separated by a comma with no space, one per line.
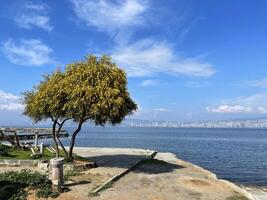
(20,195)
(13,185)
(97,91)
(47,100)
(4,150)
(94,89)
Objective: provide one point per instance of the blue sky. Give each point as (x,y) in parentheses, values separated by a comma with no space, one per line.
(185,59)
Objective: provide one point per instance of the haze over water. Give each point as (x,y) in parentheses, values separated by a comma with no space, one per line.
(238,155)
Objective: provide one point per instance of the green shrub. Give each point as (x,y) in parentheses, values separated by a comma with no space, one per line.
(4,150)
(13,185)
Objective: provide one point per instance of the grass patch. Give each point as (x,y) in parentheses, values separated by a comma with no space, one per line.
(12,153)
(15,185)
(237,197)
(7,152)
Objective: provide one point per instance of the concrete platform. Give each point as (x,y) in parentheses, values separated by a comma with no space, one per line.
(166,177)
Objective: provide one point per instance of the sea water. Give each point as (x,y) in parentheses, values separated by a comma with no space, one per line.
(238,155)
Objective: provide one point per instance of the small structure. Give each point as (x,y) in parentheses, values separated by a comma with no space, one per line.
(42,148)
(57,171)
(36,139)
(35,154)
(51,149)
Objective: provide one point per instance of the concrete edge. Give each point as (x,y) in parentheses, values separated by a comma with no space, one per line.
(237,188)
(19,163)
(118,176)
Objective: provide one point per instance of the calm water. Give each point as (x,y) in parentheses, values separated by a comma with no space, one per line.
(238,155)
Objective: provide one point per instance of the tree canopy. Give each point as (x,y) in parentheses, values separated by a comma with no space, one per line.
(94,89)
(47,100)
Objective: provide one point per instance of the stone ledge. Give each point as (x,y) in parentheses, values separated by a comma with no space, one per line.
(19,163)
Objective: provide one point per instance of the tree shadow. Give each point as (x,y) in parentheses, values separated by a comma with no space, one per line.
(149,166)
(117,160)
(155,166)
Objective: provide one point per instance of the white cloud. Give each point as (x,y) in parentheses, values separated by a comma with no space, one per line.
(262,83)
(150,82)
(28,21)
(7,96)
(27,52)
(252,100)
(147,57)
(36,7)
(110,16)
(11,106)
(256,104)
(229,109)
(160,110)
(262,110)
(34,15)
(144,57)
(10,102)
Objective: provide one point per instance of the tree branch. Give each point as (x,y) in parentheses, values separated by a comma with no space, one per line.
(57,135)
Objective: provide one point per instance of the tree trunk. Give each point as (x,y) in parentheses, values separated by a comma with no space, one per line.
(17,140)
(72,143)
(62,146)
(54,138)
(60,143)
(60,125)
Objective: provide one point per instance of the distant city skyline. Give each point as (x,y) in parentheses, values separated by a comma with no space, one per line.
(243,123)
(186,60)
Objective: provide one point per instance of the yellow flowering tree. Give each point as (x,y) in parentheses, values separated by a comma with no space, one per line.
(94,90)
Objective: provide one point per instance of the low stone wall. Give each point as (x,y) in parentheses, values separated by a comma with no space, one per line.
(43,165)
(19,163)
